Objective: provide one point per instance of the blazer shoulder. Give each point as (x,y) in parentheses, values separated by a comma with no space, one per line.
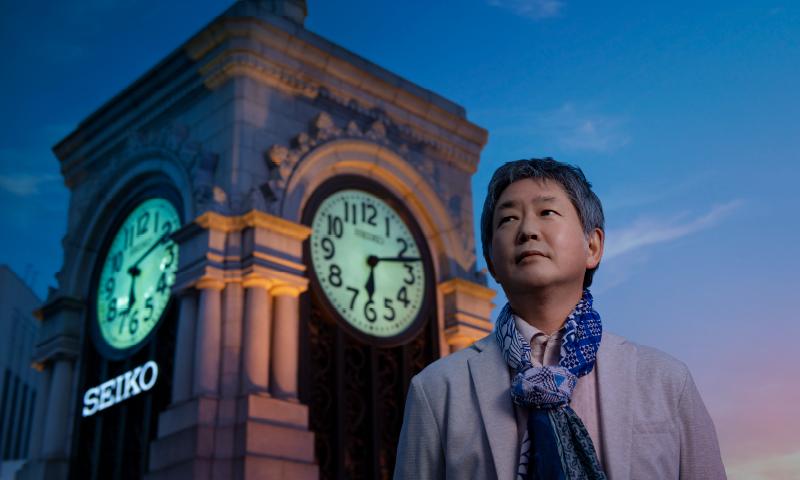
(451,366)
(654,359)
(654,368)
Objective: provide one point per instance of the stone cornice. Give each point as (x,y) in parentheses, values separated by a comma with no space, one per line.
(253,48)
(256,219)
(129,111)
(463,286)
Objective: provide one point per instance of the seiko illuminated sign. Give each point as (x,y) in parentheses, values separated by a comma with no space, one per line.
(134,382)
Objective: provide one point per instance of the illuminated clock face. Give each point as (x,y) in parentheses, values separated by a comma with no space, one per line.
(139,268)
(367,262)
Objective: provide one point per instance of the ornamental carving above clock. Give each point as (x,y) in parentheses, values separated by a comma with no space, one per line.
(133,284)
(368,263)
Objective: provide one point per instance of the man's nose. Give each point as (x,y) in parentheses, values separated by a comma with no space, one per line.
(528,231)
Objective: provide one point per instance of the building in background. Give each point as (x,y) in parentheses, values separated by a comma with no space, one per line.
(19,332)
(268,236)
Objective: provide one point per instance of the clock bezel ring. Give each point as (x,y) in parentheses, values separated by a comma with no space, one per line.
(354,182)
(161,191)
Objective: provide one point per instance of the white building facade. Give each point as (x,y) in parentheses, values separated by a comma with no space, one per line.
(19,332)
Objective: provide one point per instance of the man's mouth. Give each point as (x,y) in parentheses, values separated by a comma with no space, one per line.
(528,253)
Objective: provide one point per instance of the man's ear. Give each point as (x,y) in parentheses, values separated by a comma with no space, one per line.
(490,267)
(595,250)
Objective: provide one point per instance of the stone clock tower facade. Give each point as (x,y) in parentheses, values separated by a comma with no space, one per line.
(268,237)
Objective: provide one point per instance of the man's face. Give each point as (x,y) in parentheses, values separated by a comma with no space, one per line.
(538,240)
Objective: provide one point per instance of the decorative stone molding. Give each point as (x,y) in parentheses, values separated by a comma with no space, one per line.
(231,64)
(470,162)
(255,247)
(84,147)
(174,140)
(282,161)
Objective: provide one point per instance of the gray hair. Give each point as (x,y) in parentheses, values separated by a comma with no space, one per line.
(571,179)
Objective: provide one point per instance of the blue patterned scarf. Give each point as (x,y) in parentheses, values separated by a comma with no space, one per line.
(556,445)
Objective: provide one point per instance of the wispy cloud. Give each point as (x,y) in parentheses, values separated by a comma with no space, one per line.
(573,127)
(649,231)
(536,9)
(578,129)
(25,184)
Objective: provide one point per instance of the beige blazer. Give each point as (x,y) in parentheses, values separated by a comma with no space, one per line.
(459,420)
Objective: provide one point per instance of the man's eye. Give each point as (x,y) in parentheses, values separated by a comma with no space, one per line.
(504,220)
(549,212)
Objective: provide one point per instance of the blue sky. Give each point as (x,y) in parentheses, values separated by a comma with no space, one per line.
(684,116)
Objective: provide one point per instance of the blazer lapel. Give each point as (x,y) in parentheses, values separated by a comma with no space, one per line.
(616,374)
(490,376)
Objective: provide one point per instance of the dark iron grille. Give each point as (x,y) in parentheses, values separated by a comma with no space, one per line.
(113,444)
(356,394)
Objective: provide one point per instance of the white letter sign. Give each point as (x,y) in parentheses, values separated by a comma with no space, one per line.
(129,384)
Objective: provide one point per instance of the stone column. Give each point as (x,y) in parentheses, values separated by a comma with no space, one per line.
(285,342)
(257,336)
(40,414)
(184,347)
(207,337)
(54,444)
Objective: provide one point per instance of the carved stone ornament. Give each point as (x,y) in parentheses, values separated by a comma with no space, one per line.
(199,164)
(282,161)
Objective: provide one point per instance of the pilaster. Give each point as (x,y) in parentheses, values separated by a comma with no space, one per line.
(259,429)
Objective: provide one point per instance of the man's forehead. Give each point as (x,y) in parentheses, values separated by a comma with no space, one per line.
(531,190)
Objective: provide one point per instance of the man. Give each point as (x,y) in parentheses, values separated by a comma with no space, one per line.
(548,395)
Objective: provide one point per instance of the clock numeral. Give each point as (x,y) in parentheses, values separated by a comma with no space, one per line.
(388,304)
(327,245)
(355,294)
(171,255)
(405,247)
(402,296)
(335,275)
(162,283)
(387,226)
(335,226)
(110,286)
(122,316)
(167,227)
(155,224)
(148,305)
(112,310)
(133,325)
(347,213)
(128,237)
(141,223)
(369,312)
(116,261)
(371,208)
(410,272)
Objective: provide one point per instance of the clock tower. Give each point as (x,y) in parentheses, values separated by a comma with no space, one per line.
(268,237)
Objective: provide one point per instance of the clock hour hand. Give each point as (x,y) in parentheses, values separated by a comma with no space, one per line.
(370,287)
(134,272)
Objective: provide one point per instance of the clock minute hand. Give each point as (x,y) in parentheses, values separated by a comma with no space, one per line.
(150,250)
(399,259)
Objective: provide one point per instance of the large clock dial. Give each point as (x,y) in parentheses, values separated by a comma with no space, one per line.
(367,262)
(139,268)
